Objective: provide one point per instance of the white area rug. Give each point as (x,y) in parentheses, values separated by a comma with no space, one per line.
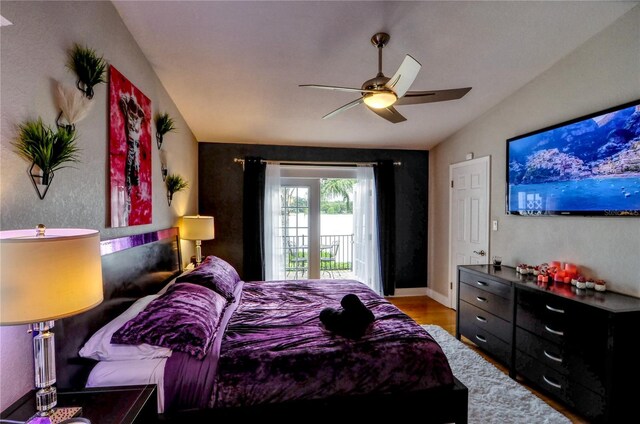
(493,396)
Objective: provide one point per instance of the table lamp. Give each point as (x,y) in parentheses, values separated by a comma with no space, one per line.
(198,228)
(47,274)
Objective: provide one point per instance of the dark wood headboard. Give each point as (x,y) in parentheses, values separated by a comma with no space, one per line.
(132,267)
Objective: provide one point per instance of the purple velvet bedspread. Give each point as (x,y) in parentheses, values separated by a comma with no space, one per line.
(275,349)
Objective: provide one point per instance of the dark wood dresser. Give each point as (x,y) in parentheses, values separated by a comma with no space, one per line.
(580,346)
(485,312)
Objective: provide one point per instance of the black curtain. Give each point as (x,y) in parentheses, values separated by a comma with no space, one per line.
(253,219)
(386,210)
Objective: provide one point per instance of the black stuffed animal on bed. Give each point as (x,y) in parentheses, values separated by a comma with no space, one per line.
(351,321)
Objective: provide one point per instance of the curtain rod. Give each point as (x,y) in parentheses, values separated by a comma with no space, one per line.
(319,163)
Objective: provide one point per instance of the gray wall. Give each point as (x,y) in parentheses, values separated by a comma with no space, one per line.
(221,196)
(602,73)
(33,57)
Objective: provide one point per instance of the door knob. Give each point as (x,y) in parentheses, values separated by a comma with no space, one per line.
(480,253)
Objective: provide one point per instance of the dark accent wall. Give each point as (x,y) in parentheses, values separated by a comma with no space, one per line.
(220,194)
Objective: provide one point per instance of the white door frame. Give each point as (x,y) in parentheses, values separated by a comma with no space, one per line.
(309,176)
(486,160)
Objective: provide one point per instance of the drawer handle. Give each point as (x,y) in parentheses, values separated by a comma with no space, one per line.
(482,339)
(481,319)
(552,357)
(481,283)
(552,331)
(551,383)
(560,311)
(480,299)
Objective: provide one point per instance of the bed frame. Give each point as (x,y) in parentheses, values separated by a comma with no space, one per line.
(139,265)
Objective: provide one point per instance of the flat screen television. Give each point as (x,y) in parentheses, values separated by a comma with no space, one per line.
(586,166)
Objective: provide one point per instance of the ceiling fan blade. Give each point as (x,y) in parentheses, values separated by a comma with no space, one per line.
(404,76)
(417,97)
(332,87)
(349,105)
(389,113)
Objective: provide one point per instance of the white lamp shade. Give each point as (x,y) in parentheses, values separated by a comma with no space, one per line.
(380,99)
(198,227)
(51,277)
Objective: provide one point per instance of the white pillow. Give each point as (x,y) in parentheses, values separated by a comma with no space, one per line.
(99,346)
(130,373)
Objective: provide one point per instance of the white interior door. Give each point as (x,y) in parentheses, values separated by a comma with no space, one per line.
(469,217)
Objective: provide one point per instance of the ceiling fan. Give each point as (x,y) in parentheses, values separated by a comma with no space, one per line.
(381,93)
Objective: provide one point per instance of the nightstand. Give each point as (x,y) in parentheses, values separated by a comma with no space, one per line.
(101,405)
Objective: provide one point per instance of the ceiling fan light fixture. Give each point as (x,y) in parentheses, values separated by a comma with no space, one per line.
(380,100)
(380,92)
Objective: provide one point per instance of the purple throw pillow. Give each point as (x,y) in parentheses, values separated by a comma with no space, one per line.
(186,318)
(215,274)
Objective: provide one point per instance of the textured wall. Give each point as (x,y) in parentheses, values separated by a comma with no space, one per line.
(33,57)
(602,73)
(221,196)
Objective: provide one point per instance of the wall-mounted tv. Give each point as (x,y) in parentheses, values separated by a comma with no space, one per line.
(586,166)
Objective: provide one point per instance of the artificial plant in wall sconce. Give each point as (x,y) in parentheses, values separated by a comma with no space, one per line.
(175,183)
(89,68)
(73,106)
(47,150)
(164,124)
(164,170)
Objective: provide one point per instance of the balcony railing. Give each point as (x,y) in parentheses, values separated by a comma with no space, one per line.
(336,255)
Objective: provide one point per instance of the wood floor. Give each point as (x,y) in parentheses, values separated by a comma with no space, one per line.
(425,310)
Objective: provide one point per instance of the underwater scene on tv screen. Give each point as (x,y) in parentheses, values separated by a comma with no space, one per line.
(590,166)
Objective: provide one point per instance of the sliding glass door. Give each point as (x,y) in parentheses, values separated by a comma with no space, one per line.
(322,213)
(300,227)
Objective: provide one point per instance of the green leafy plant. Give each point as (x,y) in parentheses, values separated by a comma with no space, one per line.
(332,188)
(175,183)
(48,149)
(164,124)
(89,68)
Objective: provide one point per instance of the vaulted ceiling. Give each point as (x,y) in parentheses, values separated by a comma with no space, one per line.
(233,68)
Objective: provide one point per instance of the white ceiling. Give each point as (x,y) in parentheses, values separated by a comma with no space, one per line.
(233,68)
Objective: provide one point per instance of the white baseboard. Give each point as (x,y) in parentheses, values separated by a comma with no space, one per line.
(423,291)
(440,298)
(414,291)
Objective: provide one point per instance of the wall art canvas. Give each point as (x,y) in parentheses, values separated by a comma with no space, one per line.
(129,152)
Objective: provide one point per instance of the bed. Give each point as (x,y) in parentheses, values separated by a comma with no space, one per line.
(271,356)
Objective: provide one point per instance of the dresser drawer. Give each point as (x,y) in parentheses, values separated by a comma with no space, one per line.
(486,321)
(561,321)
(486,284)
(486,341)
(557,384)
(581,366)
(486,301)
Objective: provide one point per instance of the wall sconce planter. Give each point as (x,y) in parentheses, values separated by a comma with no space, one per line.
(46,149)
(73,106)
(164,170)
(164,124)
(88,67)
(175,183)
(41,180)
